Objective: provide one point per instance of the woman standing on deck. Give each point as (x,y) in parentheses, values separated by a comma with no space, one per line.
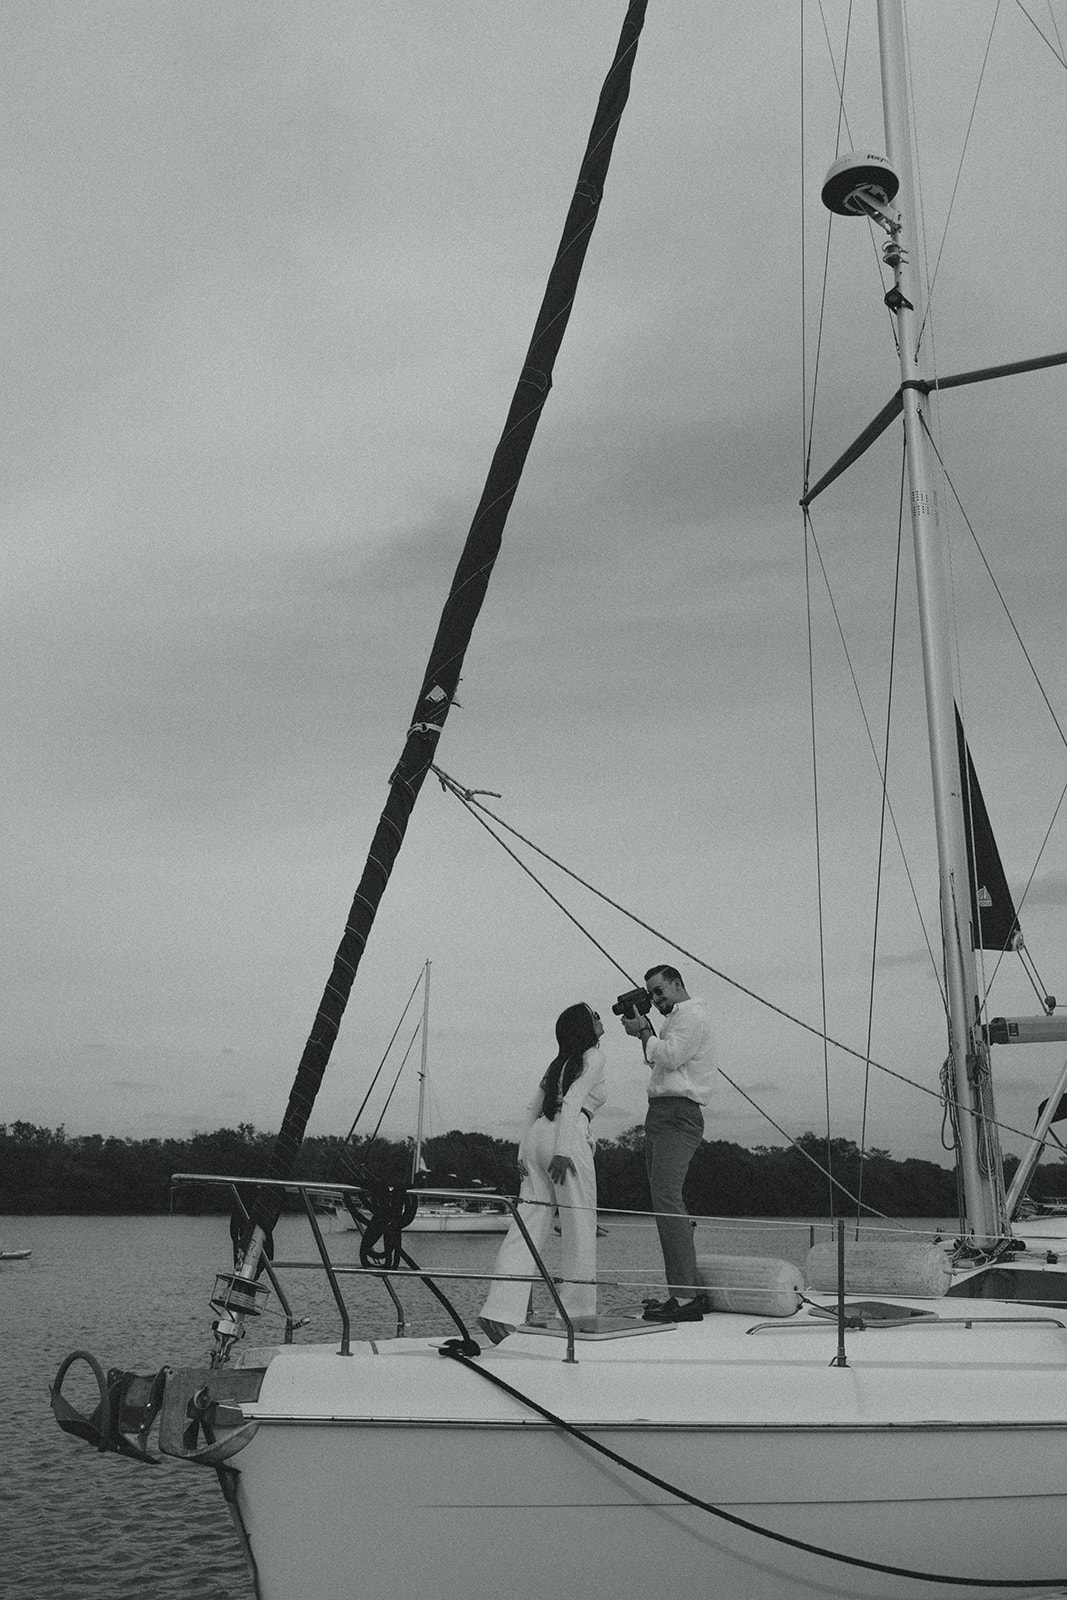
(556,1166)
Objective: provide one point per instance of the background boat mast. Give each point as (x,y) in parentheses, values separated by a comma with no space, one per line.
(978,1142)
(416,1159)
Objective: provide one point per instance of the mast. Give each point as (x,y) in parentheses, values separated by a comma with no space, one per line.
(416,1159)
(977,1140)
(865,184)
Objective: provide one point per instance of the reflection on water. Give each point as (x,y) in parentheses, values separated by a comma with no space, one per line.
(134,1292)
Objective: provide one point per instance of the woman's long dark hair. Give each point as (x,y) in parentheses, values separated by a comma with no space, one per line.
(575,1034)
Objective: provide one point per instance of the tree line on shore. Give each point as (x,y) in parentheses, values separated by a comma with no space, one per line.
(47,1171)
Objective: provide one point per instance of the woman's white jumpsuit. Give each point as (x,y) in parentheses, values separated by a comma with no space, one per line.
(566,1135)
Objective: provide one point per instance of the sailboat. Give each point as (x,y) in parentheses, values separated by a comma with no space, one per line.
(472,1210)
(893,1425)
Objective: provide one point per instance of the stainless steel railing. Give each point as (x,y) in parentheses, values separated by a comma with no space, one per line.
(234,1293)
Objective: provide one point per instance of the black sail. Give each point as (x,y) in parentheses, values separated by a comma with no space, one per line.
(994,920)
(463,604)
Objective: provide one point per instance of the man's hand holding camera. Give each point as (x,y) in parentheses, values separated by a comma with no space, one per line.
(637,1027)
(632,1010)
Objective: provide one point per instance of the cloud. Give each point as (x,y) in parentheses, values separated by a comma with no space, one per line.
(1048,889)
(276,272)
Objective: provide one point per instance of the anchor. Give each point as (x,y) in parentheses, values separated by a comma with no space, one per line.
(128,1406)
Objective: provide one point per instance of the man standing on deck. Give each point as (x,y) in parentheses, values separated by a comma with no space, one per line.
(683,1070)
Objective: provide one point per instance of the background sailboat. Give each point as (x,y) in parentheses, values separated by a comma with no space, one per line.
(462,1213)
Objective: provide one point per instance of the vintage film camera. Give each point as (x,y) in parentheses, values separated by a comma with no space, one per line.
(638,1002)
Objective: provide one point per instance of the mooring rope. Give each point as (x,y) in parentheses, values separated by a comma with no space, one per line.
(454,1350)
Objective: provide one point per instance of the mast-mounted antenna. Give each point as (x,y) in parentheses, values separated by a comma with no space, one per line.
(862,185)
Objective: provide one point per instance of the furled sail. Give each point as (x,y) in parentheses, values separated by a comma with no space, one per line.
(993,916)
(463,604)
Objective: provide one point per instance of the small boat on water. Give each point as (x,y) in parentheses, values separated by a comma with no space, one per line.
(473,1211)
(465,1215)
(890,1422)
(15,1255)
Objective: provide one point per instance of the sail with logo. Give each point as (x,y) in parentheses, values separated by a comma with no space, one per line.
(994,920)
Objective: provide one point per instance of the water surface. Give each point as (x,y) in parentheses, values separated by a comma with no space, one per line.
(134,1291)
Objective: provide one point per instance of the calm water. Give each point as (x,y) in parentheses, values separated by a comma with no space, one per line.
(134,1291)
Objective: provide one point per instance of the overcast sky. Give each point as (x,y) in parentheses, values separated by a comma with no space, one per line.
(268,278)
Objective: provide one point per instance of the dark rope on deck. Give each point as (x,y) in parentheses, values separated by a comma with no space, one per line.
(455,1352)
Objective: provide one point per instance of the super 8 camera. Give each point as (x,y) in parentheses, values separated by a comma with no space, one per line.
(637,1003)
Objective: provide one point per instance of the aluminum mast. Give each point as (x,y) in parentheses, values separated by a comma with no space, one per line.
(864,184)
(978,1143)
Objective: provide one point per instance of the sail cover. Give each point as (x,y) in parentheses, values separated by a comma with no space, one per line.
(461,608)
(993,915)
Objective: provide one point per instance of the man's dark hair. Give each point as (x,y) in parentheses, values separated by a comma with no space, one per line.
(671,974)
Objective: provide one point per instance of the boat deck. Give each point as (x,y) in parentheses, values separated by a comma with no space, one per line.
(966,1365)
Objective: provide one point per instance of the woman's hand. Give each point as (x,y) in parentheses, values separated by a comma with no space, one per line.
(559,1168)
(524,1171)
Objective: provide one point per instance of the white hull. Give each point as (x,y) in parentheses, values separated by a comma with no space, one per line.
(366,1477)
(458,1222)
(453,1219)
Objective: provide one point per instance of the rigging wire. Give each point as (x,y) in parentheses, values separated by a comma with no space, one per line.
(347,1161)
(927,324)
(820,919)
(932,278)
(468,797)
(1057,48)
(1027,961)
(802,112)
(882,775)
(808,406)
(459,615)
(810,425)
(834,1183)
(1000,596)
(385,1057)
(808,421)
(840,78)
(882,815)
(396,1080)
(823,1034)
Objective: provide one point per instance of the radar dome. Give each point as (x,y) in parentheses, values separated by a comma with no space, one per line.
(855,176)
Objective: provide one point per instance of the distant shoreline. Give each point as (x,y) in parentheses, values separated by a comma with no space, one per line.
(46,1172)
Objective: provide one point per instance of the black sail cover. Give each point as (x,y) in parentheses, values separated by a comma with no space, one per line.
(463,604)
(993,915)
